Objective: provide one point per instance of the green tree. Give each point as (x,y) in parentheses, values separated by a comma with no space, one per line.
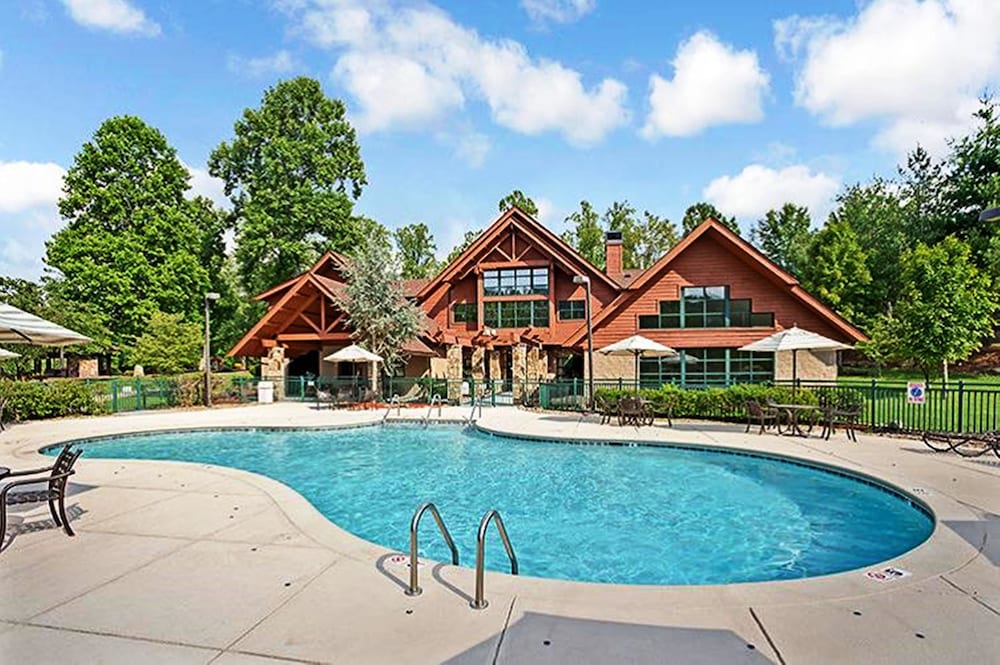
(586,235)
(621,216)
(416,248)
(169,345)
(972,173)
(696,214)
(292,172)
(659,235)
(373,232)
(879,220)
(783,235)
(132,245)
(835,269)
(382,318)
(519,199)
(946,310)
(469,238)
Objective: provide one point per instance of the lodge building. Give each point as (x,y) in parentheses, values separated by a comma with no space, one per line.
(508,309)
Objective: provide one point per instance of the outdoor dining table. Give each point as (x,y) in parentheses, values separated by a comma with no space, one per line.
(793,413)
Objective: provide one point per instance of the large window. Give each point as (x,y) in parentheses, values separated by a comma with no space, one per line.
(706,307)
(708,367)
(464,312)
(572,309)
(516,314)
(516,282)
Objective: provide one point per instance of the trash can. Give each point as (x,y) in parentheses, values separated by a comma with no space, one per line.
(265,392)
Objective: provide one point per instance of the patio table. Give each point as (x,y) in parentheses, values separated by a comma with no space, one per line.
(793,413)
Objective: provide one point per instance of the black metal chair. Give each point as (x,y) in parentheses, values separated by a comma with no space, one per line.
(760,415)
(54,493)
(965,444)
(848,419)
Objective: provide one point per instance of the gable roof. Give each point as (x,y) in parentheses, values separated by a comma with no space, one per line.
(534,230)
(330,259)
(744,250)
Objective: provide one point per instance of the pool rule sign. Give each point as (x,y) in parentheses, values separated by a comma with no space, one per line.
(915,393)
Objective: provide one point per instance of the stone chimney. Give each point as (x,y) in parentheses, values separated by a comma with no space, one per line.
(613,253)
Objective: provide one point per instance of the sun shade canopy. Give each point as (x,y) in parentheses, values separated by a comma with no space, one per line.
(353,354)
(19,327)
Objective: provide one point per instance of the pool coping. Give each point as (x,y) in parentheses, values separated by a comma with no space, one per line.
(942,552)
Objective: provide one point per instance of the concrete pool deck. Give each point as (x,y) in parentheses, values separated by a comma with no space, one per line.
(188,563)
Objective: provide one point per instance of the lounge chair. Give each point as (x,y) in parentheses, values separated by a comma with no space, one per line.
(54,493)
(966,444)
(413,394)
(765,416)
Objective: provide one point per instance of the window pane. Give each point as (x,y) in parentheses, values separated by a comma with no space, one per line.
(540,315)
(491,317)
(649,321)
(670,307)
(715,292)
(762,319)
(741,305)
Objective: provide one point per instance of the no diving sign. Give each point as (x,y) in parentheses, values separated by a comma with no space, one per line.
(915,392)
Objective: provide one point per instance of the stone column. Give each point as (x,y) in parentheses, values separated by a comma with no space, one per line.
(273,368)
(454,372)
(519,362)
(495,373)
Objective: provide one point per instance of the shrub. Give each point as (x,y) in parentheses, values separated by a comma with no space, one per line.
(33,400)
(722,403)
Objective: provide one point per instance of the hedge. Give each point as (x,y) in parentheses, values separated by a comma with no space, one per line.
(729,402)
(34,400)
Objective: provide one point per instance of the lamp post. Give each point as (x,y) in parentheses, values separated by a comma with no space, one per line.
(583,279)
(207,351)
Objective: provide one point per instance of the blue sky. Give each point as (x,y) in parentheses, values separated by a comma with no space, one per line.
(744,104)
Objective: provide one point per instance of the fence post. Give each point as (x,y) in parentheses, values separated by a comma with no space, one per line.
(871,400)
(961,406)
(114,395)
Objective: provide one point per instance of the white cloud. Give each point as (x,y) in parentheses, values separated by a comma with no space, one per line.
(713,84)
(918,66)
(472,148)
(114,15)
(280,62)
(757,189)
(549,214)
(559,11)
(203,184)
(410,67)
(27,185)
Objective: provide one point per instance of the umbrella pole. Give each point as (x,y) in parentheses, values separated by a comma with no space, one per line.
(637,372)
(795,370)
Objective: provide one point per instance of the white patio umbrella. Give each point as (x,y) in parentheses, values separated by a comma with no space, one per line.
(795,339)
(355,354)
(19,327)
(7,355)
(640,347)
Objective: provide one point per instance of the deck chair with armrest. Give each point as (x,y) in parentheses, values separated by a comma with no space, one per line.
(54,492)
(965,444)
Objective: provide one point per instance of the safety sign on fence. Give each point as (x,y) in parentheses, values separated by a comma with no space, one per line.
(915,393)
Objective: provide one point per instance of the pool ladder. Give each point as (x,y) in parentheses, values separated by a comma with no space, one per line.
(438,401)
(479,602)
(393,402)
(476,404)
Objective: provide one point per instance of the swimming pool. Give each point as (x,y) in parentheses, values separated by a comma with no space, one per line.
(621,514)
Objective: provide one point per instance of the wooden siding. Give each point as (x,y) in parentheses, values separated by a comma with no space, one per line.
(709,262)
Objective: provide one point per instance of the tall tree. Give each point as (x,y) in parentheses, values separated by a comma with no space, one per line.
(783,235)
(947,307)
(373,232)
(699,212)
(835,269)
(621,216)
(132,245)
(880,221)
(658,237)
(586,234)
(382,318)
(519,199)
(469,238)
(292,171)
(973,178)
(416,248)
(169,345)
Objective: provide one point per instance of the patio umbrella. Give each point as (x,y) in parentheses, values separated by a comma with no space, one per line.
(355,354)
(7,355)
(795,339)
(19,327)
(640,347)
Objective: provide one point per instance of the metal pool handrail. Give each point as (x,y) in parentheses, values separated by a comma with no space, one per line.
(399,406)
(434,400)
(476,403)
(480,601)
(414,589)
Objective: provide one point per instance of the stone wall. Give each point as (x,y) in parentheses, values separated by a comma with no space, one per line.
(812,365)
(454,371)
(607,368)
(273,367)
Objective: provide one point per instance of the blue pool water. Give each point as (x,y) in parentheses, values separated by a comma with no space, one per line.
(623,514)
